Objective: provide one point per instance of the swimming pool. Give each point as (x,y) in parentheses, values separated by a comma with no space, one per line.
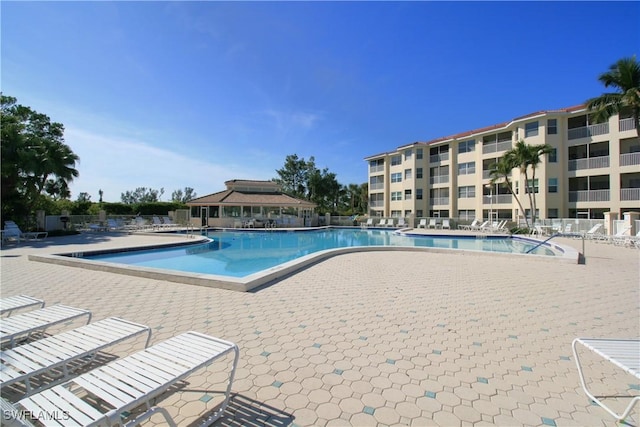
(240,254)
(243,260)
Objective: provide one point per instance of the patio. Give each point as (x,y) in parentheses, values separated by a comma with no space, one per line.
(377,338)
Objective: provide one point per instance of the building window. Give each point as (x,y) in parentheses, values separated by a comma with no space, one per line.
(552,157)
(418,153)
(553,185)
(396,214)
(419,213)
(407,194)
(408,154)
(418,193)
(552,213)
(532,184)
(467,192)
(467,146)
(396,177)
(418,173)
(407,174)
(466,214)
(396,160)
(552,126)
(467,168)
(531,129)
(396,195)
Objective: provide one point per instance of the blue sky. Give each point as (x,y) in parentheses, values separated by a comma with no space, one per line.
(191,94)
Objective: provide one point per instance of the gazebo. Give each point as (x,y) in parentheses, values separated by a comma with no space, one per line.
(247,203)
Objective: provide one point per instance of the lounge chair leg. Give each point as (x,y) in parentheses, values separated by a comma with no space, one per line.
(626,412)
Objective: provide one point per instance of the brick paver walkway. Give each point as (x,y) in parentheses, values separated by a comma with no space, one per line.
(379,338)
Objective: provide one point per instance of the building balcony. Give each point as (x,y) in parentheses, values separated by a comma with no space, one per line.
(439,179)
(585,131)
(629,159)
(498,199)
(589,163)
(496,147)
(376,204)
(626,124)
(439,158)
(439,201)
(376,186)
(589,196)
(630,194)
(374,169)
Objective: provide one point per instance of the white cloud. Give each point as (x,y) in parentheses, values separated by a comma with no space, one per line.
(116,164)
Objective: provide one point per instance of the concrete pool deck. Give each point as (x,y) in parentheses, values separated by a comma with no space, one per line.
(376,338)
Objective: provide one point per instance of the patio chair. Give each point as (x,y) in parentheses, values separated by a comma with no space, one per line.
(473,224)
(593,232)
(390,222)
(481,226)
(401,223)
(446,224)
(382,223)
(126,384)
(25,324)
(423,223)
(623,353)
(621,237)
(369,222)
(168,222)
(62,353)
(11,230)
(18,302)
(433,223)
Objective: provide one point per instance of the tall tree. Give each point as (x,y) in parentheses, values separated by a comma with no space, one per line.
(294,176)
(624,77)
(525,156)
(183,196)
(500,173)
(33,154)
(141,195)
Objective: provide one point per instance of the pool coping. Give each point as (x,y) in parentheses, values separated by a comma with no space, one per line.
(278,272)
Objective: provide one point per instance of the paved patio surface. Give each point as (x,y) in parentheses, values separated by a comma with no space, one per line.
(379,338)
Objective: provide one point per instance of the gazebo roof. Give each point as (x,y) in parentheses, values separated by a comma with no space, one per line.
(251,193)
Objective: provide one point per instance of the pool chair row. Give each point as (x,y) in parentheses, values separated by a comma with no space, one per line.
(12,232)
(102,395)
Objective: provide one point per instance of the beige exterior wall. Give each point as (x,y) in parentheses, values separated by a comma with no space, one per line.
(597,169)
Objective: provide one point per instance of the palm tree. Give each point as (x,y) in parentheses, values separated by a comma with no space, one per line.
(624,76)
(500,171)
(522,156)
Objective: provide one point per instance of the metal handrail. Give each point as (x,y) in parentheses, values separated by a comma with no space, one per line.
(581,235)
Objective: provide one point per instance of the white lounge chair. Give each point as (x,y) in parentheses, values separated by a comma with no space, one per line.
(382,223)
(402,223)
(12,231)
(63,352)
(168,222)
(481,226)
(433,223)
(623,353)
(621,237)
(25,324)
(594,232)
(136,380)
(390,222)
(369,223)
(18,302)
(423,223)
(446,224)
(473,224)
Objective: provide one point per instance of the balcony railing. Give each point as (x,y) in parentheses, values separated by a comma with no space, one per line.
(439,179)
(376,203)
(439,201)
(376,186)
(592,130)
(377,168)
(439,157)
(589,196)
(630,194)
(626,124)
(589,163)
(494,147)
(628,159)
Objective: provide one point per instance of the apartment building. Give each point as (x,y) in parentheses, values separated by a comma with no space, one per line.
(594,168)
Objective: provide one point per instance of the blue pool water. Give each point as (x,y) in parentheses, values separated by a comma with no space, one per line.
(239,254)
